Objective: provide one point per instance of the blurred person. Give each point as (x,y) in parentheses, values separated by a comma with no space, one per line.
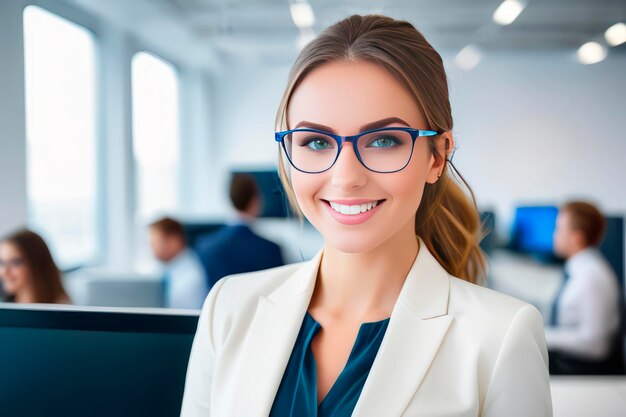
(28,272)
(236,248)
(184,279)
(586,312)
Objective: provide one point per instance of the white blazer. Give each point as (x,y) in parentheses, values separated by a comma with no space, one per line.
(451,348)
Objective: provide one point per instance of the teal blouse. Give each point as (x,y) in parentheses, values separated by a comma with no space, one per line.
(297,393)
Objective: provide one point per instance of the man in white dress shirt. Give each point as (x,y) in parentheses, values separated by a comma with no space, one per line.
(586,314)
(185,283)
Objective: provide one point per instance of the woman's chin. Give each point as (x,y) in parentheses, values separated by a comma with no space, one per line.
(9,289)
(351,245)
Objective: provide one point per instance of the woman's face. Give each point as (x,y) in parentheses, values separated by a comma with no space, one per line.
(13,269)
(344,96)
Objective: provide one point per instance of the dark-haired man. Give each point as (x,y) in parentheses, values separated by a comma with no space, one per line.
(184,279)
(236,248)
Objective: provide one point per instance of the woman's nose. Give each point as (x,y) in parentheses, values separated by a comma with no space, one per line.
(348,172)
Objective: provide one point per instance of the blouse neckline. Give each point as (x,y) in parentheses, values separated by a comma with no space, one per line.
(364,324)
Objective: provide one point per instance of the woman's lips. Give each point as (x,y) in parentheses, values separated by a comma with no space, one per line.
(352,219)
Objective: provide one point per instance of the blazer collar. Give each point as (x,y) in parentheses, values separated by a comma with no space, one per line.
(416,329)
(425,290)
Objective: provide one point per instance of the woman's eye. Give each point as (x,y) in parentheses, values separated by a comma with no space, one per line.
(317,144)
(383,142)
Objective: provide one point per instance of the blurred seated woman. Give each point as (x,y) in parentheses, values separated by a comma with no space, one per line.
(28,272)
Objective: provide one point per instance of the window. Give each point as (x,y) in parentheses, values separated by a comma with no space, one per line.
(61,134)
(156,136)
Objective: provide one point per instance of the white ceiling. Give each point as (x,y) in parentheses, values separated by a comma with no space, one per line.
(262,30)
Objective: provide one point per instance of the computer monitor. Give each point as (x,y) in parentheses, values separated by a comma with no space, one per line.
(93,361)
(274,201)
(196,230)
(532,231)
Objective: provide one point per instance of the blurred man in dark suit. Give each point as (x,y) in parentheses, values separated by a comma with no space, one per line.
(236,248)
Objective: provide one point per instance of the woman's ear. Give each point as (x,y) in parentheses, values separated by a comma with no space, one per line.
(445,145)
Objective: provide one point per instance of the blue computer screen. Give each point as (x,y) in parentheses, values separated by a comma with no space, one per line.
(533,228)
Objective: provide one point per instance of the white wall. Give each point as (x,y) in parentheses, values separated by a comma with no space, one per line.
(244,102)
(197,185)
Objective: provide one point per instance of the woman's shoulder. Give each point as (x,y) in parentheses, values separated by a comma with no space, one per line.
(251,285)
(472,295)
(489,311)
(239,293)
(233,300)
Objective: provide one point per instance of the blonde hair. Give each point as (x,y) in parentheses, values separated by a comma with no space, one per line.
(447,219)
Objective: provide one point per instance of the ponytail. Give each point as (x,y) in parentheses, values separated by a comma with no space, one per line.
(449,223)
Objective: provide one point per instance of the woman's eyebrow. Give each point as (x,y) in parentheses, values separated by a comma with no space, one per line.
(369,126)
(312,125)
(383,123)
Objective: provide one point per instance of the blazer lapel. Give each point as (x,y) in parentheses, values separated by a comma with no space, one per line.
(273,332)
(417,327)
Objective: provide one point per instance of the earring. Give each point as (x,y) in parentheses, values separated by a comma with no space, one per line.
(441,172)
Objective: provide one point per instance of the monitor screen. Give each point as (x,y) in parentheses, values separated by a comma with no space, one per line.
(89,361)
(274,200)
(533,227)
(195,231)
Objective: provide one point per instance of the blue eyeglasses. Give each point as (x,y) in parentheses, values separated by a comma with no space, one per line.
(383,150)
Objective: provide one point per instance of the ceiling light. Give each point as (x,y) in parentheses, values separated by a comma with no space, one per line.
(468,57)
(616,34)
(302,14)
(507,12)
(591,53)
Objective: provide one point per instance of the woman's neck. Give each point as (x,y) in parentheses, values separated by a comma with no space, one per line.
(366,285)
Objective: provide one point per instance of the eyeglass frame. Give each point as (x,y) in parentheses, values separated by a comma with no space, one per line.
(12,263)
(415,133)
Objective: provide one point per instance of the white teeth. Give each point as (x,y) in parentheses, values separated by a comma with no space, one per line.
(353,209)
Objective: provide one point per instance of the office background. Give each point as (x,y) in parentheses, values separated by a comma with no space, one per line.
(166,98)
(532,124)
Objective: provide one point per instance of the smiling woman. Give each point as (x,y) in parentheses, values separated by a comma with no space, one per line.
(387,319)
(28,273)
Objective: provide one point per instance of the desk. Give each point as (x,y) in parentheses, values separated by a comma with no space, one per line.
(590,396)
(525,278)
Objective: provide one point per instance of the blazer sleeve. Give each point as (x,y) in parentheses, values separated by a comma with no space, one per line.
(199,379)
(520,383)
